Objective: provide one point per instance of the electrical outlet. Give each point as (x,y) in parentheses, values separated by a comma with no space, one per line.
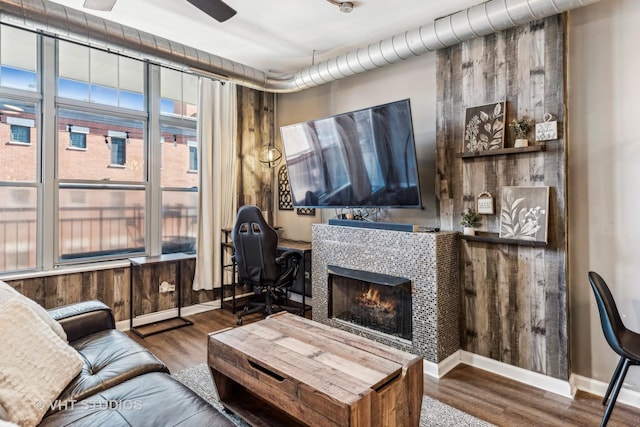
(166,287)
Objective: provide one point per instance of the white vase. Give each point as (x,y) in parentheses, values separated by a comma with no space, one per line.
(521,142)
(469,231)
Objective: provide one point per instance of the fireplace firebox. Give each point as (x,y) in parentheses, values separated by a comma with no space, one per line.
(378,302)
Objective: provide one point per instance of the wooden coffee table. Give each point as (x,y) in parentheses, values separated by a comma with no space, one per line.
(288,370)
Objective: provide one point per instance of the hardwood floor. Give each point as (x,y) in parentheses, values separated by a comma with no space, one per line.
(490,397)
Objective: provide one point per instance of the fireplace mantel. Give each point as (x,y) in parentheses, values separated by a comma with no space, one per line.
(429,260)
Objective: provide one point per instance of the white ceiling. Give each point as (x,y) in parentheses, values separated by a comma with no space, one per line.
(278,36)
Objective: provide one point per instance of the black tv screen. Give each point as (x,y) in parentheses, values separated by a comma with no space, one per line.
(364,158)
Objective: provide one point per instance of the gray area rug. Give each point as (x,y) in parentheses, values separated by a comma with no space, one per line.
(434,413)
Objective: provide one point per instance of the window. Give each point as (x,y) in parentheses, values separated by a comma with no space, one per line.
(111,140)
(18,188)
(78,140)
(18,59)
(20,134)
(101,208)
(118,151)
(179,186)
(178,94)
(193,157)
(97,196)
(18,225)
(100,77)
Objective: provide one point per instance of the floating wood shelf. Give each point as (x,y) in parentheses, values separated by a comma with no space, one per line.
(512,150)
(484,236)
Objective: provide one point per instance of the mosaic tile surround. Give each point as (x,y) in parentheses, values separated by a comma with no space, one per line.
(429,260)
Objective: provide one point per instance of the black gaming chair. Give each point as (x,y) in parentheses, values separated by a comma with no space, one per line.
(622,340)
(259,265)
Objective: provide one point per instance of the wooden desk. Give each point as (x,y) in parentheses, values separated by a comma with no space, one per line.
(287,370)
(302,284)
(139,263)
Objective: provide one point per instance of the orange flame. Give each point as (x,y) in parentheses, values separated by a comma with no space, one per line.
(371,298)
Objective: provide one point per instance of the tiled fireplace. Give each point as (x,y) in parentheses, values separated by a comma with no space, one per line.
(395,287)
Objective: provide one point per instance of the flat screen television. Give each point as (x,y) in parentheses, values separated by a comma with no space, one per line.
(364,158)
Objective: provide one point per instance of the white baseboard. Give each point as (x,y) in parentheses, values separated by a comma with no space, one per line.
(535,379)
(439,370)
(543,382)
(589,385)
(123,325)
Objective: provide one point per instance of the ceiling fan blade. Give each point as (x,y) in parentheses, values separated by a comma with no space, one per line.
(217,9)
(104,5)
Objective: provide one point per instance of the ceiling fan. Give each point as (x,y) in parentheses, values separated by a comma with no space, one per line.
(217,9)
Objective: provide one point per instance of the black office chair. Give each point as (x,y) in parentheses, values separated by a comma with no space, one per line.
(259,265)
(622,340)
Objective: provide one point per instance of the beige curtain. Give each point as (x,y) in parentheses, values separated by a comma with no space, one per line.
(217,110)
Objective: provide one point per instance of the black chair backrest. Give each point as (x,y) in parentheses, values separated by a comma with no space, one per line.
(612,325)
(256,246)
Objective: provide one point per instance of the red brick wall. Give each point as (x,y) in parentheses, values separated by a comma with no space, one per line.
(18,161)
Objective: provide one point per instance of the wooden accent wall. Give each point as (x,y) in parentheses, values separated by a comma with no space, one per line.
(514,298)
(256,123)
(111,286)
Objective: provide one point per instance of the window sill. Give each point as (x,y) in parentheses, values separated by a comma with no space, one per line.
(24,144)
(76,148)
(67,269)
(117,166)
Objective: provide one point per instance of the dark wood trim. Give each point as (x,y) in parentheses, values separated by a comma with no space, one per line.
(483,236)
(510,150)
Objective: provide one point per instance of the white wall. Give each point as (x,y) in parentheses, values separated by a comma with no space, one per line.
(604,175)
(413,79)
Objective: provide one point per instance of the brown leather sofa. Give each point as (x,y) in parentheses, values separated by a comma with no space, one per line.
(121,383)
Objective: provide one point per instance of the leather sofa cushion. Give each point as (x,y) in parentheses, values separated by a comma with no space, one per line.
(83,318)
(153,399)
(110,358)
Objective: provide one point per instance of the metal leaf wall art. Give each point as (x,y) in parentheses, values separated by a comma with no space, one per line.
(484,127)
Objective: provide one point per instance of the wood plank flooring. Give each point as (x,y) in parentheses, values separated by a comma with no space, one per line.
(490,397)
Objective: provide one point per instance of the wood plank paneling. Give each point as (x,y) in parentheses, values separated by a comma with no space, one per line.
(111,286)
(255,129)
(514,299)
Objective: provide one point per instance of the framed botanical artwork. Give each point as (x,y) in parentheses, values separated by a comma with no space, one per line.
(523,213)
(484,127)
